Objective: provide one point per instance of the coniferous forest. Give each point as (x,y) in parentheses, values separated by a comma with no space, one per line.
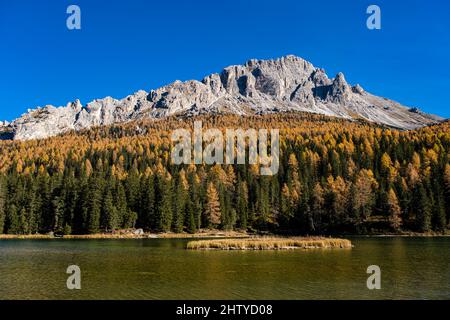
(335,176)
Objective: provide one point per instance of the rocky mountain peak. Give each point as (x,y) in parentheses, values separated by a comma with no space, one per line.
(288,83)
(357,89)
(75,105)
(339,90)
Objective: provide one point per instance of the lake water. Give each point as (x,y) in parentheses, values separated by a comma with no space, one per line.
(164,269)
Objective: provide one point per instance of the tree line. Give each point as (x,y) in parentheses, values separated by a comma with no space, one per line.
(335,176)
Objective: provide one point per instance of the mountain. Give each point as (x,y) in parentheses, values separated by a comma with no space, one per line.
(258,87)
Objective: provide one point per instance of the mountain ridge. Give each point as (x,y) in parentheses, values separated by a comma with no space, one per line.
(289,83)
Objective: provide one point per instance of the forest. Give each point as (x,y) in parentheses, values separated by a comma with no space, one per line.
(335,176)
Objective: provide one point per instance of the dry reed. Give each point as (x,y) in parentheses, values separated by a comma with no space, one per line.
(269,243)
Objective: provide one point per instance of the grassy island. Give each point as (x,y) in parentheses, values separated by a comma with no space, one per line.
(269,243)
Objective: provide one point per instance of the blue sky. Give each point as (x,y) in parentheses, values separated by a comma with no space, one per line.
(124,46)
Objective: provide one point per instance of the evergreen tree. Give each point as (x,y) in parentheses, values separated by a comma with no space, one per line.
(110,216)
(58,206)
(2,204)
(333,176)
(148,210)
(34,209)
(45,205)
(196,194)
(438,215)
(180,202)
(132,187)
(423,210)
(12,220)
(190,217)
(286,206)
(447,193)
(121,204)
(165,211)
(263,204)
(93,208)
(23,222)
(130,219)
(79,221)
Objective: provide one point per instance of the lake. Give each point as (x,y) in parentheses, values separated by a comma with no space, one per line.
(411,268)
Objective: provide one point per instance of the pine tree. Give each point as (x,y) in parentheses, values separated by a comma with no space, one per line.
(196,194)
(23,222)
(58,212)
(12,220)
(93,208)
(180,202)
(79,220)
(263,205)
(148,210)
(286,206)
(121,204)
(2,204)
(438,215)
(110,216)
(332,176)
(132,187)
(165,208)
(130,219)
(70,202)
(423,210)
(34,208)
(45,204)
(190,218)
(447,193)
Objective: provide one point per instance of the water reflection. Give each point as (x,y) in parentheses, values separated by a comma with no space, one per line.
(163,269)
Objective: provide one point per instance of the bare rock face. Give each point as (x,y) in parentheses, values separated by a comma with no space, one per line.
(257,87)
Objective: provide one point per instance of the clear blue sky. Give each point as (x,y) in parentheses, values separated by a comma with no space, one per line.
(125,46)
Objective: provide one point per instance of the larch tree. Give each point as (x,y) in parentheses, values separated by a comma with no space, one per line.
(293,179)
(317,205)
(362,197)
(394,210)
(212,206)
(323,183)
(242,204)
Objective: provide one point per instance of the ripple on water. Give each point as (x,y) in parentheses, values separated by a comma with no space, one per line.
(163,269)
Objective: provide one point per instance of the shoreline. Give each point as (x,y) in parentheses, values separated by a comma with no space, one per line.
(165,235)
(205,234)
